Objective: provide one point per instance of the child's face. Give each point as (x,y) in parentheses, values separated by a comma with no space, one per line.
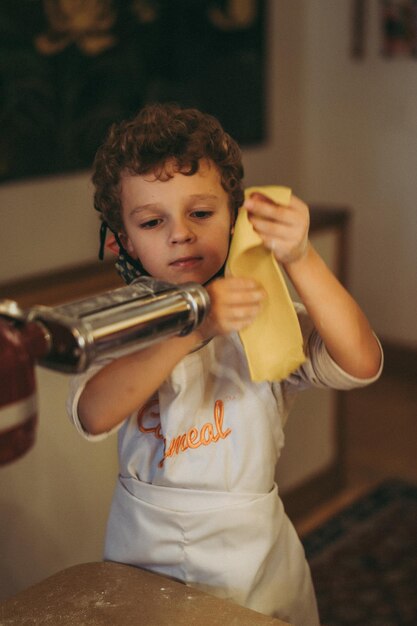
(178,228)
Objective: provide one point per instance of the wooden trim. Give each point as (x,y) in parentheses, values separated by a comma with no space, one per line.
(79,281)
(400,359)
(62,286)
(324,216)
(301,501)
(334,505)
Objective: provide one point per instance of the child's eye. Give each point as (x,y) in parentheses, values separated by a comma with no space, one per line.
(150,223)
(202,214)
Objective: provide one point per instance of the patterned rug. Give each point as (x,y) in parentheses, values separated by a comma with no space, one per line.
(364,560)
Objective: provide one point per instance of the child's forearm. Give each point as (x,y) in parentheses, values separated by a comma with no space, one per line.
(339,320)
(128,382)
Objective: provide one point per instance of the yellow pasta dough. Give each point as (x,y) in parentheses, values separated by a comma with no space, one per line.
(273,342)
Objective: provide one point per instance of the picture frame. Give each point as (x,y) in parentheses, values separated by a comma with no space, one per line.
(69,70)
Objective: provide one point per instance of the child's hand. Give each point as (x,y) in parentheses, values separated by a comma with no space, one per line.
(235,302)
(283,229)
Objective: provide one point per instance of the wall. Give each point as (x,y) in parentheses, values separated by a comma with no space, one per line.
(55,499)
(341,131)
(47,224)
(360,147)
(345,131)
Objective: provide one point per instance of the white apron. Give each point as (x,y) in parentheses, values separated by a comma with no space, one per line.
(197,536)
(196,498)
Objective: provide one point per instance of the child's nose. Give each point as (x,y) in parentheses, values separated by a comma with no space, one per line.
(181,232)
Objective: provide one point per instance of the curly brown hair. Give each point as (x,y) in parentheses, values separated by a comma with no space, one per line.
(161,133)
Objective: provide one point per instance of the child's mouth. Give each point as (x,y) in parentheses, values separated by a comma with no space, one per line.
(186,262)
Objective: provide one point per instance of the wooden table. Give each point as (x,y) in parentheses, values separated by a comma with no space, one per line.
(112,594)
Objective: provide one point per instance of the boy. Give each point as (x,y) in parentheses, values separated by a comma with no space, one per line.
(198,440)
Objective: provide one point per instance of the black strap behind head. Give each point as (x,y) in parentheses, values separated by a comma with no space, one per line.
(128,267)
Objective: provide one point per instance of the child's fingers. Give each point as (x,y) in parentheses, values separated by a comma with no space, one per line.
(281,215)
(236,290)
(238,316)
(261,207)
(275,228)
(268,211)
(283,229)
(243,283)
(242,297)
(235,303)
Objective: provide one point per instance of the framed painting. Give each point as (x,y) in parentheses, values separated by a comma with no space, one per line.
(69,68)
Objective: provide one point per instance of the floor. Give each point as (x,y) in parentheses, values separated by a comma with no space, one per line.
(380,440)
